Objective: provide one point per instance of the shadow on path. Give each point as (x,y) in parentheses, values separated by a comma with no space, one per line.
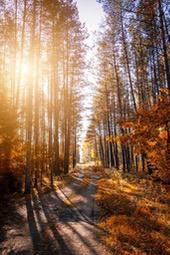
(36,237)
(59,226)
(62,215)
(52,223)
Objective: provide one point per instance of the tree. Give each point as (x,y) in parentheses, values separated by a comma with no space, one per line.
(134,71)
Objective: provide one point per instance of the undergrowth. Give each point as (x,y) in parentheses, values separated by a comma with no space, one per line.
(135,212)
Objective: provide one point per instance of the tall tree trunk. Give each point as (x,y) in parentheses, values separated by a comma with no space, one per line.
(37,106)
(29,105)
(21,54)
(167,68)
(127,61)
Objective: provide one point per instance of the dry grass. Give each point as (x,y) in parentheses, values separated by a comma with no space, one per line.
(136,213)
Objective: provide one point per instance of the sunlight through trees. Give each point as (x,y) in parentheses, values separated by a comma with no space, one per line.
(131,106)
(42,64)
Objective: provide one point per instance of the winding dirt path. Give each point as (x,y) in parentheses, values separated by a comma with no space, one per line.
(61,222)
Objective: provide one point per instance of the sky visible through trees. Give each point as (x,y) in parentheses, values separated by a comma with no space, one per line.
(81,81)
(85,123)
(91,13)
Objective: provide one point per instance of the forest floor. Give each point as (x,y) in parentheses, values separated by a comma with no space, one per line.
(90,212)
(136,213)
(62,221)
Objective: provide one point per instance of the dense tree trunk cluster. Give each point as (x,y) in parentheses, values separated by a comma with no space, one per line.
(41,66)
(130,124)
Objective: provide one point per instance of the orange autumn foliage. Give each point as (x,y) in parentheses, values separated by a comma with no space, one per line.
(149,134)
(135,214)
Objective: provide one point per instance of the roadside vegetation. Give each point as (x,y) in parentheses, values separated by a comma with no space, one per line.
(135,212)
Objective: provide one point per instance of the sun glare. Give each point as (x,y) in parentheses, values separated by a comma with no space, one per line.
(25,68)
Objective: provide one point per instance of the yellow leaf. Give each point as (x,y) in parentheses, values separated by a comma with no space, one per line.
(151,143)
(163,134)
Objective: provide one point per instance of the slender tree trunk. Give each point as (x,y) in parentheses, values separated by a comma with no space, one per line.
(30,106)
(127,62)
(21,54)
(167,68)
(37,106)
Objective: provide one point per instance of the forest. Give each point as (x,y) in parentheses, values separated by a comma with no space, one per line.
(105,192)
